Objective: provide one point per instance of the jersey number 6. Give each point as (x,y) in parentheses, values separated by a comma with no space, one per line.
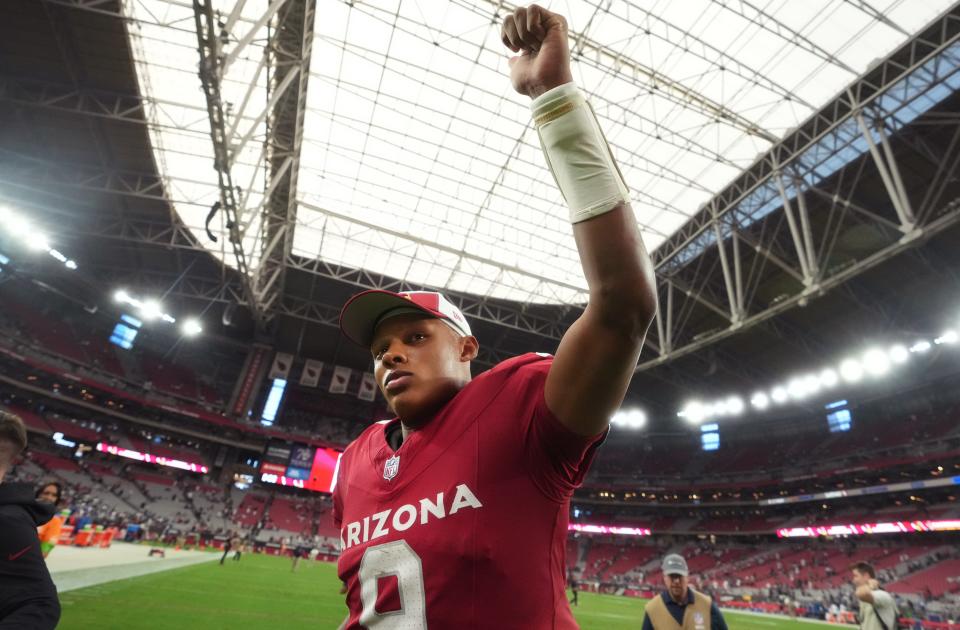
(393,558)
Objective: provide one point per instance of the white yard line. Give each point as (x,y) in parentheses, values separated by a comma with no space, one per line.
(72,568)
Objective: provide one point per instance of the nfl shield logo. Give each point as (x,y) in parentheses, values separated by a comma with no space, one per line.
(698,620)
(391,467)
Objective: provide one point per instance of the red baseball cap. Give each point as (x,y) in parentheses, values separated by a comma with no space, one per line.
(363,311)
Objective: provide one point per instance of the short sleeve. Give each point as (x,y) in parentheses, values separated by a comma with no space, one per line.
(882,600)
(557,458)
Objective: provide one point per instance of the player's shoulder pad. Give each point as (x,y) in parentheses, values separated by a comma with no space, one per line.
(509,367)
(515,363)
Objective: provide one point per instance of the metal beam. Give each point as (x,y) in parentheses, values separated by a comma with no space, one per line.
(290,49)
(813,267)
(884,168)
(948,219)
(209,45)
(728,280)
(931,43)
(143,233)
(511,315)
(768,213)
(946,171)
(68,98)
(229,291)
(29,173)
(798,243)
(685,258)
(252,32)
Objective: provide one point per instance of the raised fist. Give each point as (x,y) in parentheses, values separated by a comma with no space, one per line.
(541,39)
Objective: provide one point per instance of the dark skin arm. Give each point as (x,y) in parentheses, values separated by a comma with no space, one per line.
(597,355)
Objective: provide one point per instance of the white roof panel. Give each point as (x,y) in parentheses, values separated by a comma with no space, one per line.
(418,158)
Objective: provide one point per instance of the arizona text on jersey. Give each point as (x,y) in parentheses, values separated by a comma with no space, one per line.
(467,526)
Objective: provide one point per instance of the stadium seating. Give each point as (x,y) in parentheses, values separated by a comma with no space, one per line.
(172,379)
(32,420)
(72,428)
(250,510)
(291,516)
(743,560)
(53,462)
(935,581)
(325,525)
(174,501)
(54,334)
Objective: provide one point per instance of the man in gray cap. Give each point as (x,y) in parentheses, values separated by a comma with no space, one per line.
(680,607)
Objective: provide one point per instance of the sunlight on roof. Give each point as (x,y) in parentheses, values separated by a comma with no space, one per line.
(419,161)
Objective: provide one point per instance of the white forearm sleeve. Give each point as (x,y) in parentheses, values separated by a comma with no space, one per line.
(577,153)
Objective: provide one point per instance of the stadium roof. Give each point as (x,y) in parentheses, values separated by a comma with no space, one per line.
(418,160)
(816,254)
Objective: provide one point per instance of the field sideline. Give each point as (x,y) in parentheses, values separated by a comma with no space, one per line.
(261,592)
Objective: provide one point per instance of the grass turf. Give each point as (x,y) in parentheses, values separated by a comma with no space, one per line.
(262,592)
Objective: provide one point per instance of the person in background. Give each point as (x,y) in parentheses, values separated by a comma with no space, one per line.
(680,607)
(299,551)
(52,493)
(28,598)
(878,611)
(232,543)
(574,589)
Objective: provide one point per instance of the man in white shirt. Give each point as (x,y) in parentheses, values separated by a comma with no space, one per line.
(878,611)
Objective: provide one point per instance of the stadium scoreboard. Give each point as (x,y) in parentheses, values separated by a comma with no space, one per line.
(300,466)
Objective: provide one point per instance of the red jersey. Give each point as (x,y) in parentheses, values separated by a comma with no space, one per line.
(465,525)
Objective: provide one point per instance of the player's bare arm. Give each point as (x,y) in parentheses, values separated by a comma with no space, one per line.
(597,355)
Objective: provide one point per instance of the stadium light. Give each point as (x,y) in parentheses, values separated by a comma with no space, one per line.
(851,370)
(38,242)
(898,354)
(150,310)
(639,419)
(876,362)
(735,405)
(17,225)
(797,389)
(811,382)
(629,418)
(760,401)
(20,227)
(920,346)
(829,378)
(191,328)
(694,412)
(948,337)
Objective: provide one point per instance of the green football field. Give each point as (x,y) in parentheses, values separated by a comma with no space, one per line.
(261,592)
